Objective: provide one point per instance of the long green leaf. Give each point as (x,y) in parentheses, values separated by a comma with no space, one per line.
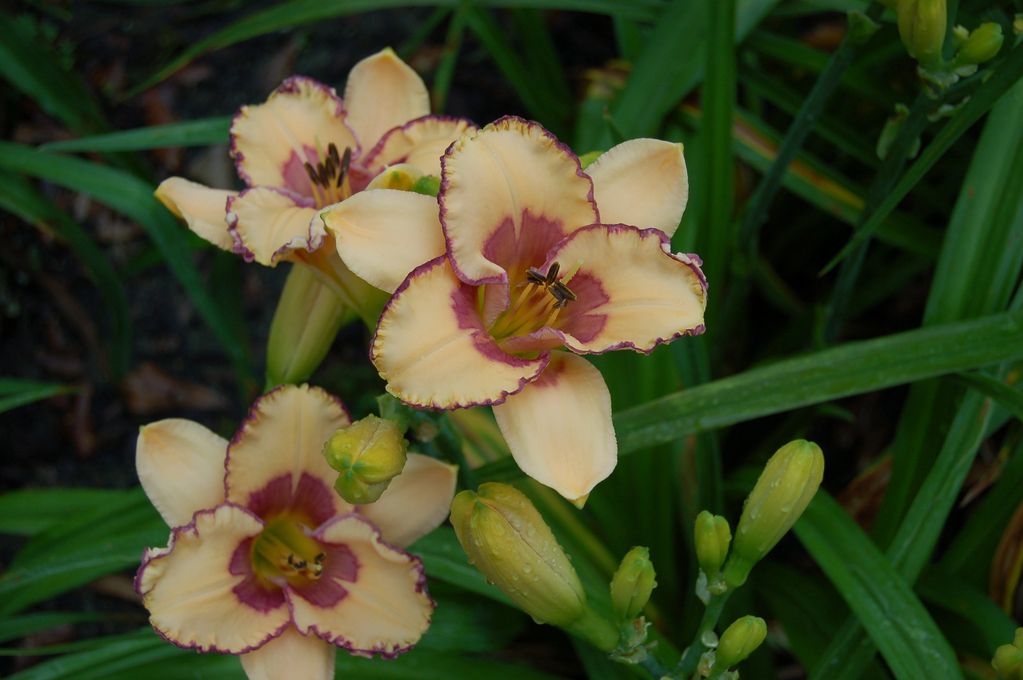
(18,196)
(897,622)
(31,511)
(853,368)
(300,12)
(1005,75)
(15,392)
(1007,397)
(672,64)
(132,197)
(26,64)
(976,275)
(191,133)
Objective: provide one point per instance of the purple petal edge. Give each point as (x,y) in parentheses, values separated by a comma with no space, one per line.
(444,184)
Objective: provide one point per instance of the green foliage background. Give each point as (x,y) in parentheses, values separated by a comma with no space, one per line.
(808,240)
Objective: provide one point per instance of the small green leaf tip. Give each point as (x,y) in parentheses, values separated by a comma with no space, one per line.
(1008,659)
(712,536)
(367,454)
(922,26)
(506,538)
(739,641)
(633,583)
(785,487)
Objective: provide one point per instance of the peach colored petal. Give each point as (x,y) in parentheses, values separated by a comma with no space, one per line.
(383,92)
(384,234)
(559,427)
(267,224)
(271,142)
(642,182)
(275,460)
(508,194)
(419,143)
(433,351)
(292,655)
(181,466)
(632,292)
(188,587)
(203,209)
(384,610)
(416,502)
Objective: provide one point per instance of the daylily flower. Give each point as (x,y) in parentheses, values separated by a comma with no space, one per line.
(265,560)
(532,270)
(305,149)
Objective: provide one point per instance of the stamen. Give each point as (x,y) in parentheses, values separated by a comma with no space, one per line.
(313,177)
(283,549)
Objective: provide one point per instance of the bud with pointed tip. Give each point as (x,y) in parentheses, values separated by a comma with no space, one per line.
(785,487)
(368,454)
(507,539)
(739,641)
(922,25)
(712,536)
(307,318)
(983,44)
(632,584)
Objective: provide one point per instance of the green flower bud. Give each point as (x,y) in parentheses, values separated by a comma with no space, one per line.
(789,480)
(922,25)
(632,583)
(368,454)
(506,538)
(983,44)
(1008,659)
(739,641)
(712,536)
(307,318)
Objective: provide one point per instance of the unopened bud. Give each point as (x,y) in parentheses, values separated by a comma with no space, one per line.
(712,536)
(739,641)
(632,583)
(506,538)
(983,44)
(1008,659)
(368,454)
(785,487)
(922,25)
(307,318)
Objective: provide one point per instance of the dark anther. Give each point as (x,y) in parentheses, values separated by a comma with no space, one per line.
(330,165)
(324,175)
(332,151)
(319,558)
(346,160)
(562,293)
(312,173)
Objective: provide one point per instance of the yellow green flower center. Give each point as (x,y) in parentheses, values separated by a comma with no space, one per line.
(537,304)
(285,550)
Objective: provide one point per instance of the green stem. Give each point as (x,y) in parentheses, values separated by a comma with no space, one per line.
(654,668)
(711,615)
(597,630)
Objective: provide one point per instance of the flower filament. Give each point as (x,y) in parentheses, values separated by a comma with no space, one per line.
(537,305)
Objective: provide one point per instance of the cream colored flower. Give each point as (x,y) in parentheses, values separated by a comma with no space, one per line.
(265,560)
